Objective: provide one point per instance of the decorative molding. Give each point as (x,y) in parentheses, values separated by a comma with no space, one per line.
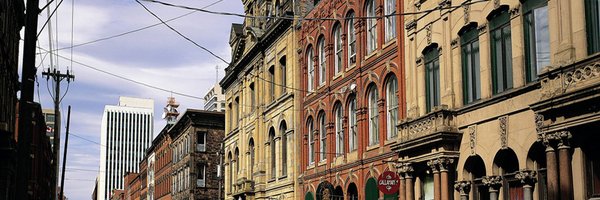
(419,60)
(527,177)
(466,10)
(454,42)
(494,182)
(539,123)
(463,187)
(412,24)
(516,11)
(503,120)
(560,138)
(482,28)
(496,4)
(429,34)
(472,130)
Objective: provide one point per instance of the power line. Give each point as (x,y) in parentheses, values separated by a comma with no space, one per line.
(427,11)
(122,77)
(49,18)
(180,34)
(135,30)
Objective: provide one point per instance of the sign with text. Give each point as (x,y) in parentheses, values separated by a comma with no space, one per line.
(388,182)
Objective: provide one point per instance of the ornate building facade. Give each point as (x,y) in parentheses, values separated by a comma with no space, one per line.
(261,90)
(501,100)
(352,96)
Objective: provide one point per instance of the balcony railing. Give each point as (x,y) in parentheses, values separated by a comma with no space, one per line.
(569,78)
(200,147)
(440,120)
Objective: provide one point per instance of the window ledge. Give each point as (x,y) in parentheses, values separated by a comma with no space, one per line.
(370,55)
(310,166)
(350,67)
(389,43)
(283,177)
(322,162)
(373,146)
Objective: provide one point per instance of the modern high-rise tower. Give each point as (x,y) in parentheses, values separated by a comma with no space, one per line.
(126,133)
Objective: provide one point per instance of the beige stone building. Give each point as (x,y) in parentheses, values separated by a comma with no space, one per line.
(502,100)
(260,89)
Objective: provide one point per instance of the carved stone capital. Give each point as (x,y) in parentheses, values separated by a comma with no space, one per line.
(445,163)
(560,138)
(433,165)
(493,182)
(527,177)
(405,168)
(463,187)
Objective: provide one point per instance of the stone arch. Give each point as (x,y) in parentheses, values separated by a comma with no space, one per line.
(352,191)
(474,168)
(324,191)
(505,161)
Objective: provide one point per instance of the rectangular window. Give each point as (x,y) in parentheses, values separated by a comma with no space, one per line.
(537,37)
(371,27)
(252,96)
(311,143)
(272,82)
(201,181)
(470,65)
(353,130)
(311,70)
(432,78)
(201,141)
(283,72)
(390,20)
(351,40)
(323,134)
(338,49)
(592,19)
(322,62)
(501,52)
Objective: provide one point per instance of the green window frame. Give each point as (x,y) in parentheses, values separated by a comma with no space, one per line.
(371,189)
(592,18)
(470,65)
(501,51)
(537,37)
(432,77)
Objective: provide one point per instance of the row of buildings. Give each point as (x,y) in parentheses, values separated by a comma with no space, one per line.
(491,99)
(181,162)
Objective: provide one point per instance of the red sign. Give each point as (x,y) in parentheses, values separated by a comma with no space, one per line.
(388,182)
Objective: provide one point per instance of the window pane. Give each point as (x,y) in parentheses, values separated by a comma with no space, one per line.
(542,38)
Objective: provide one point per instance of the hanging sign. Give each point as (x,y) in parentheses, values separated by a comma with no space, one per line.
(388,182)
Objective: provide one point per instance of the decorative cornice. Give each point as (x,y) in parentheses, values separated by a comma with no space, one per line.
(412,24)
(463,187)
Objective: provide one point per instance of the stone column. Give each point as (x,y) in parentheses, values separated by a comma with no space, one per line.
(407,182)
(402,188)
(528,179)
(564,160)
(433,164)
(551,165)
(463,188)
(493,183)
(445,185)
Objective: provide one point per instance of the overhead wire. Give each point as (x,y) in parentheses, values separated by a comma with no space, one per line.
(180,34)
(426,11)
(49,17)
(135,30)
(123,77)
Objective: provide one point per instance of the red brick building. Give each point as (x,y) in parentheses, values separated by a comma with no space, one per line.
(132,186)
(353,95)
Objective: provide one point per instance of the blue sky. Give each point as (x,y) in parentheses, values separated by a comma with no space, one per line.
(156,56)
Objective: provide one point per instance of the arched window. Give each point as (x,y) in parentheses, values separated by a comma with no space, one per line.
(273,153)
(283,72)
(237,160)
(390,20)
(337,34)
(322,62)
(391,102)
(352,125)
(282,131)
(371,27)
(351,35)
(251,149)
(339,130)
(311,142)
(272,83)
(311,69)
(432,77)
(229,159)
(323,135)
(373,116)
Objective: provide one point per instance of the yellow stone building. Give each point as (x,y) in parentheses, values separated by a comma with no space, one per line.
(502,100)
(260,89)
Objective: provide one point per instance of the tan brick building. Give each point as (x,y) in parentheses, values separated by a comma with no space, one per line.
(502,100)
(261,90)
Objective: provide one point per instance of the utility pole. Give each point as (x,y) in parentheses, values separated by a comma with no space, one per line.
(57,77)
(26,99)
(62,177)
